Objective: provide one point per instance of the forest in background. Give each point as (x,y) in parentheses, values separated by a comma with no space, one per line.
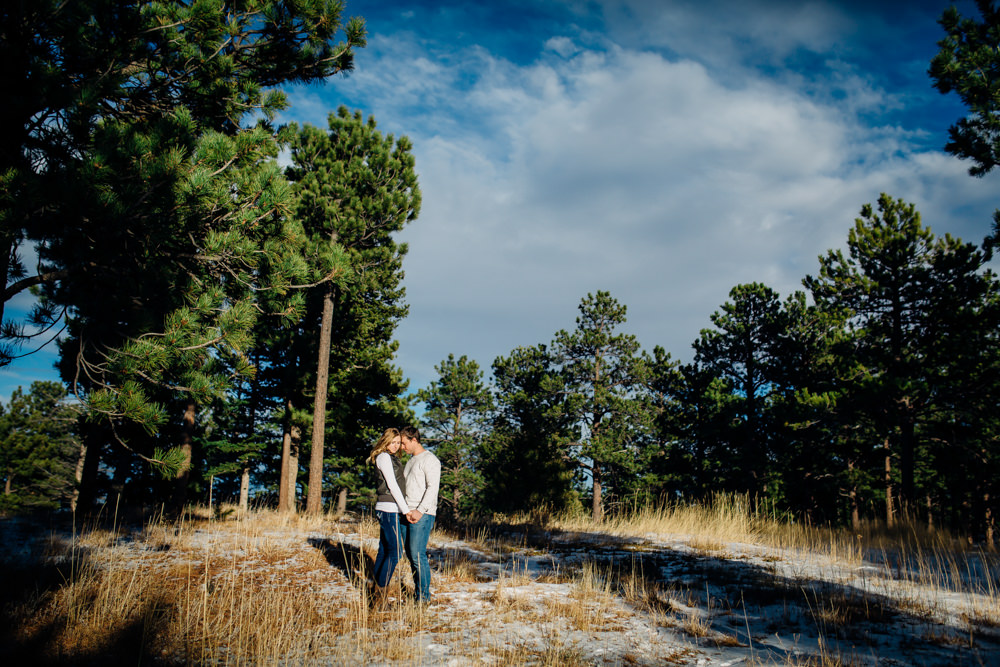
(225,325)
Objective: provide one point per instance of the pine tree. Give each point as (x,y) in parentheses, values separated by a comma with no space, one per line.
(742,350)
(355,187)
(905,293)
(824,463)
(526,463)
(669,462)
(170,217)
(967,64)
(457,410)
(151,77)
(604,375)
(38,448)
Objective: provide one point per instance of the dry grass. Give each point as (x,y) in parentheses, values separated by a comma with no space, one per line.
(979,618)
(461,567)
(727,518)
(838,610)
(554,654)
(697,624)
(910,551)
(228,602)
(246,589)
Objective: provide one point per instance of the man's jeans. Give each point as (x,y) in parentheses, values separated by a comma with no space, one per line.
(416,536)
(389,547)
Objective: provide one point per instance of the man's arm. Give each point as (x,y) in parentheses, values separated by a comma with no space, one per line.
(432,477)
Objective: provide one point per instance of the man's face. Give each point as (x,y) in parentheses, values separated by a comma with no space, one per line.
(408,444)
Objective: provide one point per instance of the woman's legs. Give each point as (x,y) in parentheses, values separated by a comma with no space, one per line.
(388,548)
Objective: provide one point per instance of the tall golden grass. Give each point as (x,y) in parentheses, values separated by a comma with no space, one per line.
(239,591)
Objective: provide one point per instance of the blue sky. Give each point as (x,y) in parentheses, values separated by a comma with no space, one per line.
(662,151)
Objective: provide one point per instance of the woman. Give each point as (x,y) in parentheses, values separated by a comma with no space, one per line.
(390,504)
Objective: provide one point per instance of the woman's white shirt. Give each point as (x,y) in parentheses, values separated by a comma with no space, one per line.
(384,464)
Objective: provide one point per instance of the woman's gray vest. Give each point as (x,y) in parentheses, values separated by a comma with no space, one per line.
(384,496)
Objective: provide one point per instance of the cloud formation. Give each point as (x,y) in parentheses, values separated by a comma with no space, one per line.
(648,171)
(665,152)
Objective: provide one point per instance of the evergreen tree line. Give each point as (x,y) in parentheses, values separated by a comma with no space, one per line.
(869,393)
(226,325)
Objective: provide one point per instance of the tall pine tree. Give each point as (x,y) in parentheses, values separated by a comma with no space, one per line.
(355,188)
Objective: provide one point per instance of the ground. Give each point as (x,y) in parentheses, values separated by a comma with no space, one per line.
(502,595)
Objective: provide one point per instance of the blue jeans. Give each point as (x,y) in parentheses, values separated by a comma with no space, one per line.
(416,536)
(390,542)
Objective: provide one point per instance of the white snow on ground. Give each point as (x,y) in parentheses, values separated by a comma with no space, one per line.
(732,604)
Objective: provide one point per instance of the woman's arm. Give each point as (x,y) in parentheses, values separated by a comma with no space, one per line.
(384,465)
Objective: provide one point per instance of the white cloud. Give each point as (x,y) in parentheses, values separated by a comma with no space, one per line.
(622,169)
(666,160)
(727,34)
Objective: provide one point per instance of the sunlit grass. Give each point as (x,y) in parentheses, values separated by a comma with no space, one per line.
(250,588)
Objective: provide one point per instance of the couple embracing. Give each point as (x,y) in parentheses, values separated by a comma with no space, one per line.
(406,505)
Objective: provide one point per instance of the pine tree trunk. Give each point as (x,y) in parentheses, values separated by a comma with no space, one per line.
(342,502)
(597,511)
(286,480)
(184,474)
(853,495)
(91,453)
(907,459)
(118,482)
(7,484)
(245,490)
(314,501)
(988,520)
(8,242)
(293,469)
(855,514)
(74,500)
(890,510)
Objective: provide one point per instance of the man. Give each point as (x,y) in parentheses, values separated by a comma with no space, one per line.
(423,478)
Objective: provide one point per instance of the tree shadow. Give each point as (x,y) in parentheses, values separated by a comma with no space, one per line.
(351,560)
(36,627)
(749,606)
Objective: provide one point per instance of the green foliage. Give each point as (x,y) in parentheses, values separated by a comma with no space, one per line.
(887,285)
(742,351)
(876,396)
(669,465)
(168,462)
(354,188)
(604,376)
(457,410)
(38,448)
(525,456)
(165,217)
(968,64)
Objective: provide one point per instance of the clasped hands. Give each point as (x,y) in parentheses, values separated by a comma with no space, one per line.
(413,516)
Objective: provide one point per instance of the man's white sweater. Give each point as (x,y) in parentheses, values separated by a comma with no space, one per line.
(423,477)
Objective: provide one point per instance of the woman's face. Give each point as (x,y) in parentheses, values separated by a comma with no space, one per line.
(394,445)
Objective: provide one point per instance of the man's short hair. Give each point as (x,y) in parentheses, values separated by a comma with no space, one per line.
(410,432)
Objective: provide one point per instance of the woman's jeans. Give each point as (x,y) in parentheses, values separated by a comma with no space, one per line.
(416,536)
(389,547)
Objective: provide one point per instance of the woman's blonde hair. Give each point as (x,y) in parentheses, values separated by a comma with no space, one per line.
(383,443)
